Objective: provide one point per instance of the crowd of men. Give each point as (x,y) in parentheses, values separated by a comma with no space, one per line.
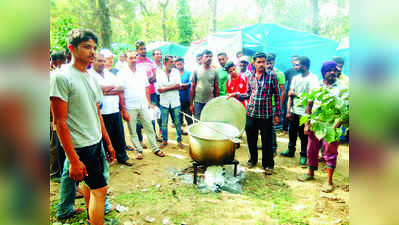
(90,95)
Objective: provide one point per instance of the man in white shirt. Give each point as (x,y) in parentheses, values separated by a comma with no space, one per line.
(304,82)
(136,102)
(121,62)
(109,108)
(168,85)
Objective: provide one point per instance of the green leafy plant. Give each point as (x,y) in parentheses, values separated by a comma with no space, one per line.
(59,29)
(327,112)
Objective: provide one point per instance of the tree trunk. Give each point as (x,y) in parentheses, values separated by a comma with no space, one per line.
(105,24)
(213,5)
(262,4)
(315,22)
(163,6)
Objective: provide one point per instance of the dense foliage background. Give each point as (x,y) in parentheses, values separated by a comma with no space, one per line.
(184,21)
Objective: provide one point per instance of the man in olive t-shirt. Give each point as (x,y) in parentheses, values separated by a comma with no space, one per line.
(204,85)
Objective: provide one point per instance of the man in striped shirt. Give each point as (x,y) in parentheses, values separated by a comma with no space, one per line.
(261,86)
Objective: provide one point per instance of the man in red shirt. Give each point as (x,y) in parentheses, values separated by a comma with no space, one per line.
(235,83)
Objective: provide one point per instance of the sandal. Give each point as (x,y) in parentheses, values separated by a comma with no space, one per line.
(305,177)
(143,145)
(163,144)
(327,188)
(159,153)
(129,148)
(250,165)
(139,156)
(75,212)
(268,171)
(180,145)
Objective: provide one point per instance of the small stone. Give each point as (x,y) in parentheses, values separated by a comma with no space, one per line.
(150,220)
(165,221)
(121,167)
(120,208)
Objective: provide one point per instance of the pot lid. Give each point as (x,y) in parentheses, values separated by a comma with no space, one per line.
(229,111)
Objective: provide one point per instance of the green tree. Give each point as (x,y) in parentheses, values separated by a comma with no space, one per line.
(105,31)
(315,20)
(184,25)
(59,29)
(213,7)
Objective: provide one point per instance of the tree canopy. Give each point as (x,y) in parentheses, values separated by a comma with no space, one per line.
(182,21)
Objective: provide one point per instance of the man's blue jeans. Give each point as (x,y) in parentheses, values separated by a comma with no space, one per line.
(175,113)
(198,109)
(68,191)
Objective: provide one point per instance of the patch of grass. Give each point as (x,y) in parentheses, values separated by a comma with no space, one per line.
(168,201)
(80,218)
(276,196)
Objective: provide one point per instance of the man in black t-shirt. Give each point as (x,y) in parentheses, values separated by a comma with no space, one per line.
(289,74)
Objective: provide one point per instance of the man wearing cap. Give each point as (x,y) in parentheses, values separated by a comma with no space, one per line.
(198,59)
(121,61)
(243,66)
(342,79)
(109,60)
(329,71)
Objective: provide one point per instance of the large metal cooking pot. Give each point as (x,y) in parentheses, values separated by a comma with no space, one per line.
(225,110)
(209,146)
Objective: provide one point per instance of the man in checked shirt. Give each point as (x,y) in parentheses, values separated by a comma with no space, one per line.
(261,86)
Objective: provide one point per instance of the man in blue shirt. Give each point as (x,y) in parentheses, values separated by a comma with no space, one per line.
(184,92)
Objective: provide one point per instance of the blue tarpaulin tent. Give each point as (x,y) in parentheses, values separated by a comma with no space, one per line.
(282,41)
(344,51)
(167,48)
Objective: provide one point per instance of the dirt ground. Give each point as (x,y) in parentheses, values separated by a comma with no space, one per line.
(153,196)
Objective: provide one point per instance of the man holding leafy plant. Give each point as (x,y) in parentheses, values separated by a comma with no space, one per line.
(323,125)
